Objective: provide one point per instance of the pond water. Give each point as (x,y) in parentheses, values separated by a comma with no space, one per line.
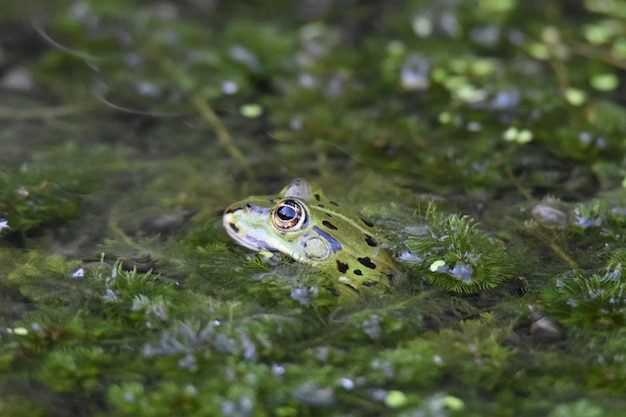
(479,143)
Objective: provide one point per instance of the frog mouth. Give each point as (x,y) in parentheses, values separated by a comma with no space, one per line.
(246,240)
(251,243)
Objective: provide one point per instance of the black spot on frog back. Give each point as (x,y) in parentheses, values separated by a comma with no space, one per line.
(367,222)
(341,267)
(329,225)
(366,261)
(370,241)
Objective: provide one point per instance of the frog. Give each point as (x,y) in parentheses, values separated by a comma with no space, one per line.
(303,224)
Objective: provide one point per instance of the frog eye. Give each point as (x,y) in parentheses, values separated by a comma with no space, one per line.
(289,215)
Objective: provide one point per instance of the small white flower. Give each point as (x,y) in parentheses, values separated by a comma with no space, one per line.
(4,225)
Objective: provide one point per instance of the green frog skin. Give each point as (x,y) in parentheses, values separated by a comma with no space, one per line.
(302,223)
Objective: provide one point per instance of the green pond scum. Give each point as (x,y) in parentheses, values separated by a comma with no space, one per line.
(483,140)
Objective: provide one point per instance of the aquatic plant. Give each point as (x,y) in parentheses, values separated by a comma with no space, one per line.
(456,255)
(596,300)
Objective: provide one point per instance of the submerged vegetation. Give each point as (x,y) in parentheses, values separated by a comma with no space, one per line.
(485,140)
(456,256)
